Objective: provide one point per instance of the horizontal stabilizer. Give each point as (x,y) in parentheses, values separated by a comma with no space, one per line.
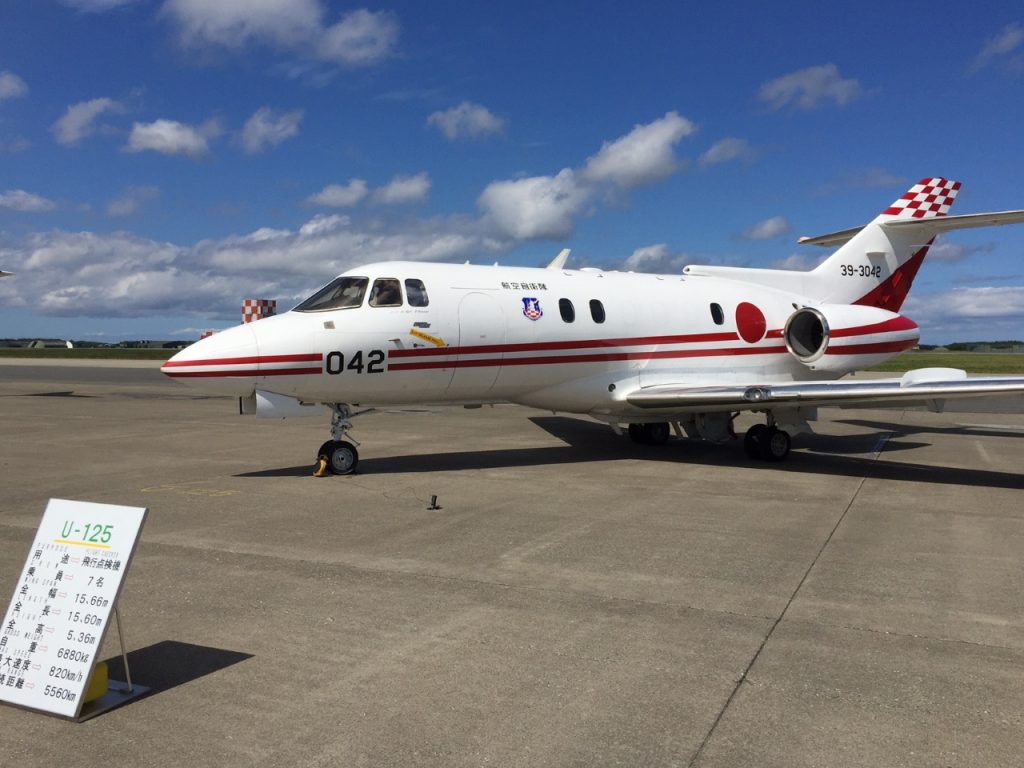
(933,226)
(833,238)
(965,221)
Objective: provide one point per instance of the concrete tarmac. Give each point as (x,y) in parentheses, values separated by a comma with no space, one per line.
(577,600)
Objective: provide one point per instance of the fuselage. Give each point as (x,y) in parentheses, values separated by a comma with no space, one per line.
(565,340)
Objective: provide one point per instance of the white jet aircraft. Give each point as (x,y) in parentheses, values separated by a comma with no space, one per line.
(655,352)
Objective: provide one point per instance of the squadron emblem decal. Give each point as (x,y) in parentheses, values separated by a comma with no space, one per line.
(531,308)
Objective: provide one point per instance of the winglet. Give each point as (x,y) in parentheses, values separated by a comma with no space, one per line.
(559,261)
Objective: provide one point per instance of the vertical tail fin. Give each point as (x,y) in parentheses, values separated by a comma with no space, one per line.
(877,266)
(925,200)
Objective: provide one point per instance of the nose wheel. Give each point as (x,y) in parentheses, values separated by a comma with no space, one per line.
(338,456)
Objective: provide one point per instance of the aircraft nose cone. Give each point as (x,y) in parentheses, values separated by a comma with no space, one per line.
(225,363)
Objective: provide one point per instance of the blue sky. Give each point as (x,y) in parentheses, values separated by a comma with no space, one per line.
(161,160)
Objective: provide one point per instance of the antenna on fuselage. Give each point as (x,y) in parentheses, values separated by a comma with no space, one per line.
(559,261)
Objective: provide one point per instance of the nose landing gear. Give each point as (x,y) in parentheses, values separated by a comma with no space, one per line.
(338,456)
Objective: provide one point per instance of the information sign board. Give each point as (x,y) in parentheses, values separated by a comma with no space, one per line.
(62,603)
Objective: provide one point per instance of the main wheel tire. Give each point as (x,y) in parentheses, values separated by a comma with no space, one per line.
(657,433)
(776,447)
(342,457)
(637,433)
(754,441)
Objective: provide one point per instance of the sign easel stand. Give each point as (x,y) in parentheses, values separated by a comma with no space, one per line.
(118,692)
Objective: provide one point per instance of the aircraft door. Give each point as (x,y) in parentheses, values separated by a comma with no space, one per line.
(481,328)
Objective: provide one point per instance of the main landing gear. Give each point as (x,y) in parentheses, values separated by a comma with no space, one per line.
(338,456)
(766,442)
(655,433)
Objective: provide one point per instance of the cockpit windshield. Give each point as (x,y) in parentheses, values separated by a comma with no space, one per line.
(341,293)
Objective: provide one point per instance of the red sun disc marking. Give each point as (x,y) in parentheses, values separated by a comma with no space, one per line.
(750,323)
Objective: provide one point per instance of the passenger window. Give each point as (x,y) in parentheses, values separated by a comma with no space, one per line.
(340,293)
(386,293)
(597,311)
(717,314)
(566,308)
(416,293)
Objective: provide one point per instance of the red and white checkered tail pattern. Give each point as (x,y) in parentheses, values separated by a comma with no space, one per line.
(925,200)
(257,309)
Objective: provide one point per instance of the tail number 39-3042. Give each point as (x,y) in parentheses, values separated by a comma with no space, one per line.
(358,362)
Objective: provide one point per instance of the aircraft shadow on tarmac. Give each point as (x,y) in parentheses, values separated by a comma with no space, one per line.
(913,429)
(169,663)
(588,441)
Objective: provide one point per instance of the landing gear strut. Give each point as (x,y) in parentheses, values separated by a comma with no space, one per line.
(338,456)
(766,442)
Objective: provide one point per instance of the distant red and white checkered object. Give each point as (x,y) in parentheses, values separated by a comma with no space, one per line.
(257,309)
(205,335)
(925,200)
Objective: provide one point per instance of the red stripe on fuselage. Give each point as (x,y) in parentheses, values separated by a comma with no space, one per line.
(888,326)
(543,346)
(593,358)
(266,359)
(872,349)
(253,373)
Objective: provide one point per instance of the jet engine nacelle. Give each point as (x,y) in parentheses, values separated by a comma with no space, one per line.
(846,337)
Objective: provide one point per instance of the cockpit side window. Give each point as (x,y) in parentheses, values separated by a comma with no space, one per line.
(416,293)
(341,293)
(386,292)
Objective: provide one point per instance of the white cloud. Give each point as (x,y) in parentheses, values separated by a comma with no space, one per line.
(265,129)
(799,262)
(466,121)
(404,189)
(869,178)
(120,274)
(767,229)
(657,259)
(234,23)
(25,202)
(725,150)
(359,38)
(809,88)
(338,196)
(951,253)
(642,156)
(11,86)
(537,207)
(990,312)
(547,206)
(169,137)
(15,145)
(79,120)
(1000,47)
(96,6)
(131,201)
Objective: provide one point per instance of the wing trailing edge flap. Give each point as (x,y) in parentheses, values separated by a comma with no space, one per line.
(920,387)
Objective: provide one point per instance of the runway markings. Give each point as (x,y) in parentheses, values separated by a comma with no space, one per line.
(185,489)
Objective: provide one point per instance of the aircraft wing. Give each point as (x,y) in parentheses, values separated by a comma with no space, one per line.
(924,386)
